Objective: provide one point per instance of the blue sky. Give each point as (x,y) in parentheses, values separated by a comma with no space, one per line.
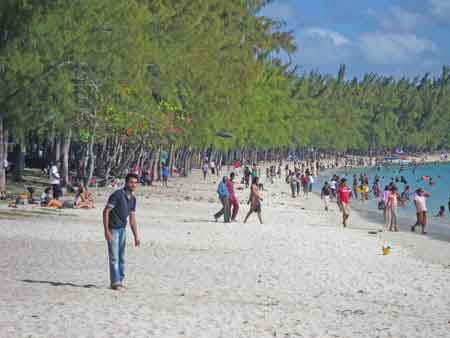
(398,38)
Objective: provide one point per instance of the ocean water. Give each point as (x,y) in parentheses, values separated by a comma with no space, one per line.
(440,190)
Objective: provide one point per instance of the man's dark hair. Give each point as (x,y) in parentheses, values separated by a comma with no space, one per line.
(130,176)
(232,174)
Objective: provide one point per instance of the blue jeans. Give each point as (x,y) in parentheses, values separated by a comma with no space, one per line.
(116,250)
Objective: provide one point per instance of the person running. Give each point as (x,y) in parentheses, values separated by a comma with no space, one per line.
(255,200)
(325,195)
(233,201)
(421,209)
(391,209)
(121,206)
(224,197)
(343,195)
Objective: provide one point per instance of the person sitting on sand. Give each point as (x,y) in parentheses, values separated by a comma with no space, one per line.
(45,197)
(441,212)
(83,200)
(255,200)
(55,204)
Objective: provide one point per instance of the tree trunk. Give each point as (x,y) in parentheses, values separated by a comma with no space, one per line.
(65,157)
(19,161)
(91,158)
(57,149)
(3,156)
(171,156)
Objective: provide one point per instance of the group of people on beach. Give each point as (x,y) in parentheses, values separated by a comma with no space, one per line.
(229,201)
(389,200)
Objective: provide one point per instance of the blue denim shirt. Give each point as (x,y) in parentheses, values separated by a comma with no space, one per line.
(222,190)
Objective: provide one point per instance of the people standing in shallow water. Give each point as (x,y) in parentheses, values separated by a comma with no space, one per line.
(441,212)
(355,187)
(421,209)
(391,209)
(255,200)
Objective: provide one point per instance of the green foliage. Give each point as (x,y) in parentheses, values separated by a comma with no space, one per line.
(165,71)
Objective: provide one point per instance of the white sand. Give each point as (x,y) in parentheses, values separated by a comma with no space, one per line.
(298,275)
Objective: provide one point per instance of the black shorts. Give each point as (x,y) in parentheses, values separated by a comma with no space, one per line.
(256,207)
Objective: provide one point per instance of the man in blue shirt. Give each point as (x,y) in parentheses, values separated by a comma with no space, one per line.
(120,207)
(224,197)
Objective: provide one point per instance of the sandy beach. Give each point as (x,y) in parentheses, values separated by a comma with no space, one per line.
(298,275)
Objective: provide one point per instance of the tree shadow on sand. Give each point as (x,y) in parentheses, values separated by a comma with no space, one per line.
(86,286)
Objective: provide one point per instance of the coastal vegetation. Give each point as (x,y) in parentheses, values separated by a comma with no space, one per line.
(100,85)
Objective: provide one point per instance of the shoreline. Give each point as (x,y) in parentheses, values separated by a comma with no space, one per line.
(433,248)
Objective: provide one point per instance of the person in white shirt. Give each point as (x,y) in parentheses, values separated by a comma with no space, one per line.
(421,209)
(55,180)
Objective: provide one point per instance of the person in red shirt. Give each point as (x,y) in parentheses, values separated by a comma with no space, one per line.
(343,200)
(234,203)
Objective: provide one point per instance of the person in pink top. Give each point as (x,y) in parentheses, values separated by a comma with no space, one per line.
(344,200)
(234,203)
(421,209)
(391,209)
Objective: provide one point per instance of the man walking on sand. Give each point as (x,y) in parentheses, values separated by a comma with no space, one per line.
(233,201)
(120,207)
(343,195)
(224,197)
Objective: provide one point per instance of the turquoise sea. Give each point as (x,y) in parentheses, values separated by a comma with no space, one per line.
(440,190)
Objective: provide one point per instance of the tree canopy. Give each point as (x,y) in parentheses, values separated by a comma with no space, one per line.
(178,72)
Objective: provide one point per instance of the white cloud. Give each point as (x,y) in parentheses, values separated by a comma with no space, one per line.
(319,46)
(395,48)
(324,34)
(397,19)
(440,9)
